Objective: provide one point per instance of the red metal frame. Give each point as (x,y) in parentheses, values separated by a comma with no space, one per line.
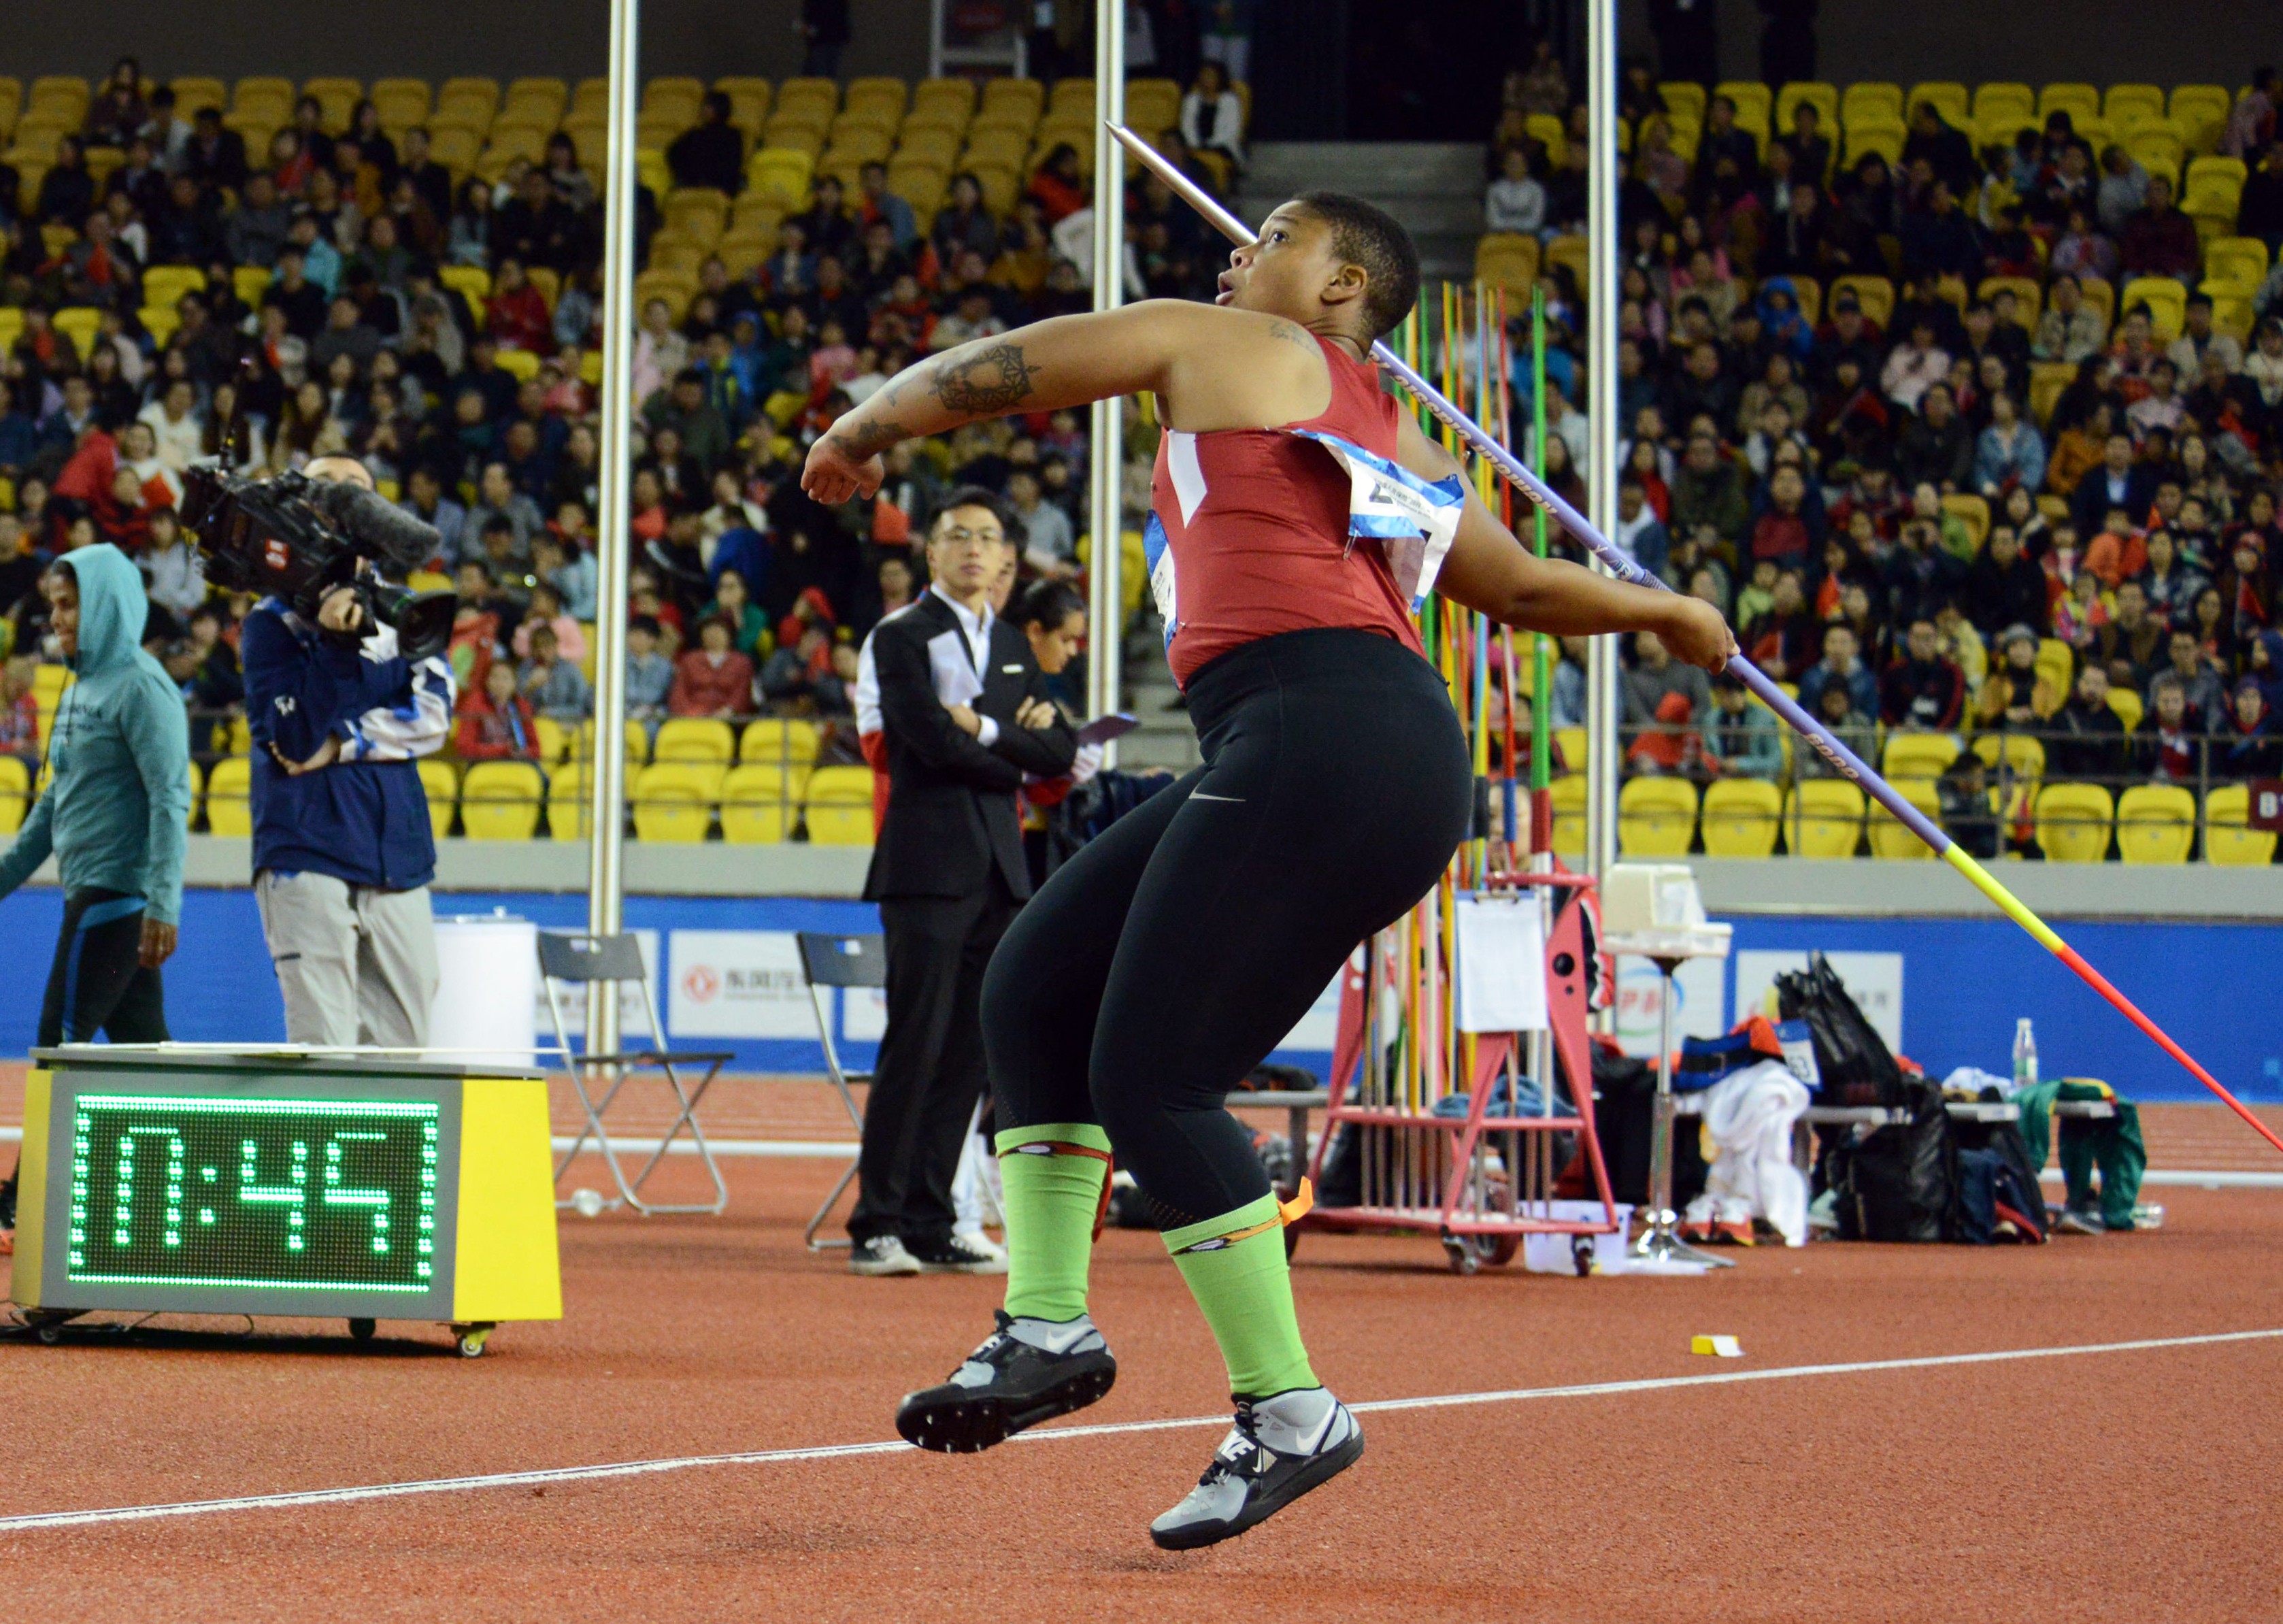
(1566,1004)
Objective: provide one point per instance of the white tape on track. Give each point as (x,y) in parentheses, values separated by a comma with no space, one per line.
(777,1457)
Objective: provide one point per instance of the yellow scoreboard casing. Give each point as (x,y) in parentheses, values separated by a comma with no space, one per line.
(189,1179)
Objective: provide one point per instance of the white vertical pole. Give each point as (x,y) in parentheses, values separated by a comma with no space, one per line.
(1106,517)
(1602,695)
(606,808)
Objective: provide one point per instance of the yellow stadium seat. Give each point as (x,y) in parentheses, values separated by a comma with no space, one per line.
(755,810)
(1891,837)
(749,100)
(1018,99)
(2001,98)
(673,96)
(1684,99)
(1876,294)
(817,98)
(952,98)
(2126,103)
(570,792)
(1568,796)
(699,213)
(2165,301)
(2079,101)
(1918,755)
(2234,263)
(1823,97)
(674,801)
(2156,823)
(2232,316)
(2073,822)
(500,801)
(554,737)
(676,287)
(1507,260)
(1823,817)
(193,91)
(2021,755)
(1570,251)
(442,781)
(1864,138)
(162,285)
(1656,817)
(2227,838)
(694,739)
(1740,817)
(2029,298)
(228,787)
(80,324)
(1972,511)
(636,741)
(2202,111)
(160,321)
(15,793)
(2157,149)
(780,173)
(259,87)
(840,806)
(401,103)
(1570,743)
(2047,382)
(1950,98)
(470,99)
(590,99)
(2128,705)
(1876,102)
(2056,664)
(541,100)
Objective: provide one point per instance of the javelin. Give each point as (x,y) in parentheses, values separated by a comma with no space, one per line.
(1827,745)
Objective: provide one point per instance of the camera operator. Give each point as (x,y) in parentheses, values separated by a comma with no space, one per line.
(342,848)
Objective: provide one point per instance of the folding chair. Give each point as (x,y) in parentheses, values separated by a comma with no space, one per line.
(828,961)
(601,965)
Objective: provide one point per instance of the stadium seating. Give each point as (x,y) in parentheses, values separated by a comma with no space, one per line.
(1656,817)
(15,793)
(1740,817)
(674,801)
(2228,837)
(500,800)
(755,808)
(1823,817)
(2074,822)
(694,739)
(839,806)
(2156,823)
(441,779)
(229,808)
(1889,835)
(1568,796)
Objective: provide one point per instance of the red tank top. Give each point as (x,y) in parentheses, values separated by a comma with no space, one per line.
(1249,529)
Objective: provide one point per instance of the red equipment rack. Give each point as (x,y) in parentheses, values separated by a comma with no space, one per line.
(1479,1218)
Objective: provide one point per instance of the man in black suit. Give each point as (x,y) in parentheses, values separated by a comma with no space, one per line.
(964,715)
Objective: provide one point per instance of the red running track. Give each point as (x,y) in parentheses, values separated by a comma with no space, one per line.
(2111,1484)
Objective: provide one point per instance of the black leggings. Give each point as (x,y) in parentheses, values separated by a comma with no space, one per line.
(98,981)
(1168,959)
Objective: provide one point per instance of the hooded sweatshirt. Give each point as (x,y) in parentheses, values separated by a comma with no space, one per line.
(117,811)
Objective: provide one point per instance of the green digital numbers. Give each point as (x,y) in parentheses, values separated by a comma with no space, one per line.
(232,1193)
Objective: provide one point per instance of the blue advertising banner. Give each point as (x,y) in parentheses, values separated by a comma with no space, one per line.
(1948,990)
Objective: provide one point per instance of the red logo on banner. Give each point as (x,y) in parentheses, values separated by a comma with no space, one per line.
(700,983)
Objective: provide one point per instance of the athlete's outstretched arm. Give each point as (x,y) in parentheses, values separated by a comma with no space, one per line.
(1488,570)
(1065,361)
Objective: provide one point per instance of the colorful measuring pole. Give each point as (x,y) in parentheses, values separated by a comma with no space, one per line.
(1832,750)
(1542,677)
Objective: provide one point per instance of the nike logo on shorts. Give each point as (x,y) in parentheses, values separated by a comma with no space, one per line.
(1232,800)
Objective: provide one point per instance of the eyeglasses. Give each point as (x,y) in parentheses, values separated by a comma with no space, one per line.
(959,537)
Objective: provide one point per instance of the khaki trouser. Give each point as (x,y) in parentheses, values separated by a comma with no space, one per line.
(356,964)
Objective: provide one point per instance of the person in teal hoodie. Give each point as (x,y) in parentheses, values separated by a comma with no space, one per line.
(115,814)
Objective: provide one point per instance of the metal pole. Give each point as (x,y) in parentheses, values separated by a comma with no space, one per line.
(1602,695)
(1105,623)
(607,804)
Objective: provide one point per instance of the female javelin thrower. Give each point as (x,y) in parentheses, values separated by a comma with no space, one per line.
(1299,516)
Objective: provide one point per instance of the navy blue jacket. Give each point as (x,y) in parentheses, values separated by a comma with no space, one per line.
(362,820)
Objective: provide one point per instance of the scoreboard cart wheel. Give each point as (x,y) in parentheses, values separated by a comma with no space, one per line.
(1462,1257)
(362,1330)
(471,1339)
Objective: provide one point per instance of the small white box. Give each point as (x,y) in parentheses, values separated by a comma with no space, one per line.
(1551,1254)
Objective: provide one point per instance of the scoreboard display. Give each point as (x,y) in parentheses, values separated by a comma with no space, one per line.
(175,1178)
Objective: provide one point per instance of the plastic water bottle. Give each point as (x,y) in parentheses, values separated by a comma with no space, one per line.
(2025,1056)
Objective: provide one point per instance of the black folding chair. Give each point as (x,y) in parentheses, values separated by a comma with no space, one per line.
(829,961)
(603,965)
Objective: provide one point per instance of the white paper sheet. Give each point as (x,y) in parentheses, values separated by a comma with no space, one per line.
(1501,965)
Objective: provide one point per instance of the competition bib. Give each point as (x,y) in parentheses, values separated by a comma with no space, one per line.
(1413,520)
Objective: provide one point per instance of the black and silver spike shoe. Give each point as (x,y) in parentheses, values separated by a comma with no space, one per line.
(1029,1371)
(1278,1450)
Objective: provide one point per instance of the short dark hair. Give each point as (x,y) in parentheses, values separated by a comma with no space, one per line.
(1366,235)
(1046,602)
(978,495)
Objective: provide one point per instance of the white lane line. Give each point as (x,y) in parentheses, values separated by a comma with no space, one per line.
(771,1457)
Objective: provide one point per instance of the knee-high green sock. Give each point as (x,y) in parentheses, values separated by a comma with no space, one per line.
(1050,1176)
(1235,1265)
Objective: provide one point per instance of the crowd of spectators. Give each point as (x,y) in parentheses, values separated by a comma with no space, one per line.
(1903,512)
(358,336)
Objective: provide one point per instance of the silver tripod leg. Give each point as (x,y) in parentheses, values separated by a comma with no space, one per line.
(1658,1244)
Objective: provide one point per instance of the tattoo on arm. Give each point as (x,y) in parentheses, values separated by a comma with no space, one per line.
(985,380)
(870,438)
(1292,332)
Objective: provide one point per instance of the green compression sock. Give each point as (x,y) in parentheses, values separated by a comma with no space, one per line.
(1051,1177)
(1235,1265)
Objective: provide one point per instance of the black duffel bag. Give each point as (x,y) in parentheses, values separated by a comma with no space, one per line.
(1857,1068)
(1898,1182)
